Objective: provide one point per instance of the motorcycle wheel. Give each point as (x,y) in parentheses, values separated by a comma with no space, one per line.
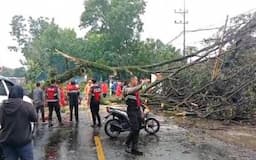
(152,126)
(110,130)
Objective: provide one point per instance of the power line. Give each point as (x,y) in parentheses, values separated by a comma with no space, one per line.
(190,31)
(203,29)
(184,12)
(176,37)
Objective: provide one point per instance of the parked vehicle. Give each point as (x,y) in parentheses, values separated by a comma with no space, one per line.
(5,85)
(119,122)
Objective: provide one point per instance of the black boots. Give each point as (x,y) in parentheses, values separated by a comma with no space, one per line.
(136,152)
(133,151)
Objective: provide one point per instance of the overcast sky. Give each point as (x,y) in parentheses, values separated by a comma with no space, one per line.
(158,19)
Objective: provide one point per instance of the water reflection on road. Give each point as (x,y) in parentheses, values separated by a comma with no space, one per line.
(69,142)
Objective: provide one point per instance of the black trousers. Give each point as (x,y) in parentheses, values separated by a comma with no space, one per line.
(134,116)
(95,108)
(41,109)
(73,105)
(56,107)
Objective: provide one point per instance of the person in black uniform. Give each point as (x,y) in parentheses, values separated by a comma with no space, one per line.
(94,101)
(73,97)
(133,101)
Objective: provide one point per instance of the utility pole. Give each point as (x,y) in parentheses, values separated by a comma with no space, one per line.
(183,12)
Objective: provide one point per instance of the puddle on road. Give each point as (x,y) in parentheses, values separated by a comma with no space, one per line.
(73,140)
(54,142)
(68,144)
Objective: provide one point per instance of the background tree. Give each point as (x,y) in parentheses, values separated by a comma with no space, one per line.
(17,72)
(113,38)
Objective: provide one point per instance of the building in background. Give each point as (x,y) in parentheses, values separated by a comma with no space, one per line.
(17,80)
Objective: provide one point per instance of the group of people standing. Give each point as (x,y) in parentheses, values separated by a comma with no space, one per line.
(16,115)
(52,96)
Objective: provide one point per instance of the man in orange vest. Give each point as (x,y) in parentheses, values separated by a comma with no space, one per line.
(87,91)
(73,97)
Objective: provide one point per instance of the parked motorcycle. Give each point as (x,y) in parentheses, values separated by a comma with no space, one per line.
(120,123)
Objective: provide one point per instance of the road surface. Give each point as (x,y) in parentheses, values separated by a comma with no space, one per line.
(76,142)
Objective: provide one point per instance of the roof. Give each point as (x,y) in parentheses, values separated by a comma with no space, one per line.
(2,77)
(5,78)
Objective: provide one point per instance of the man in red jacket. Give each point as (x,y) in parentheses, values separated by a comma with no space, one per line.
(53,98)
(94,101)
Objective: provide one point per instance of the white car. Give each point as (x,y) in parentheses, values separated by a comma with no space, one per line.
(5,86)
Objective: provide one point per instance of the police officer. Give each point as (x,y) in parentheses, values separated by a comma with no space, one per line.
(73,97)
(52,98)
(133,101)
(94,101)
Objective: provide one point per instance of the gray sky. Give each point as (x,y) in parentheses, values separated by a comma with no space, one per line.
(158,19)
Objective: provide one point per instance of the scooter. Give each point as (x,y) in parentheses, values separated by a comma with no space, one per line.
(120,122)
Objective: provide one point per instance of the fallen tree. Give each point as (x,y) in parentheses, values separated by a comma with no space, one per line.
(192,87)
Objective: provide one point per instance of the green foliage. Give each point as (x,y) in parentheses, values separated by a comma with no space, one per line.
(19,29)
(38,42)
(17,72)
(115,25)
(34,71)
(112,39)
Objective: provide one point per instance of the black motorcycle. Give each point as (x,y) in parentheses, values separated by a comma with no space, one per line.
(120,123)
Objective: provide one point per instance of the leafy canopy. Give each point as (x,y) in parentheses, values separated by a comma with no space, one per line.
(113,39)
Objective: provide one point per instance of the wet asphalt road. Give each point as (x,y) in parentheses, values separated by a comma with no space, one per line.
(69,142)
(72,142)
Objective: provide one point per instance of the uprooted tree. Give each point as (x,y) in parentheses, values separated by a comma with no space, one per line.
(217,81)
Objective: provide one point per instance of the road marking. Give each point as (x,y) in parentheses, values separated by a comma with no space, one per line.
(99,148)
(98,144)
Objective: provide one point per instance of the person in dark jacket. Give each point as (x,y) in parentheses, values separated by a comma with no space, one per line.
(73,97)
(16,116)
